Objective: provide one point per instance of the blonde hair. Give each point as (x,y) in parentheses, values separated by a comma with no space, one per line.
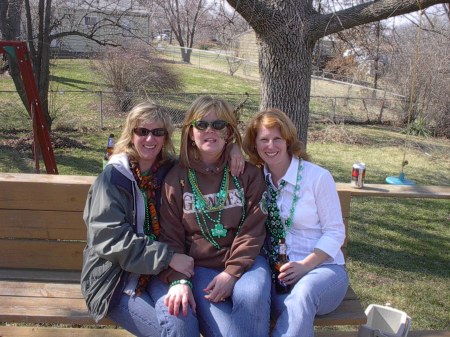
(198,109)
(140,114)
(272,118)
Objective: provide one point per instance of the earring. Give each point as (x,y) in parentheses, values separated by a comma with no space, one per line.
(193,144)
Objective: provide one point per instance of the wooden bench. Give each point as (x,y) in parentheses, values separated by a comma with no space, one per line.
(42,237)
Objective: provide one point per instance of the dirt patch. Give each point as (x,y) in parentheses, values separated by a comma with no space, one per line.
(23,143)
(333,133)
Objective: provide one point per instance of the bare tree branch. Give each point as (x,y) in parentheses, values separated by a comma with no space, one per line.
(325,24)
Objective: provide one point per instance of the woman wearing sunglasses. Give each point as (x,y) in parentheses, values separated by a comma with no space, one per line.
(121,214)
(217,219)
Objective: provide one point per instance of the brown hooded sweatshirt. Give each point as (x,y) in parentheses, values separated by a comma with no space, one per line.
(180,229)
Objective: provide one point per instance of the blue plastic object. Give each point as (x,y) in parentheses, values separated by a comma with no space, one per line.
(400,180)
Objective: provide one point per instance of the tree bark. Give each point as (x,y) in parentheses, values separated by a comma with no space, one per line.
(285,74)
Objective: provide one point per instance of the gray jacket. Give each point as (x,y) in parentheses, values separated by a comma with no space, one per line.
(116,246)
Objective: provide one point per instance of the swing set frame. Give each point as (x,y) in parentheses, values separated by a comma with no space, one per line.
(18,50)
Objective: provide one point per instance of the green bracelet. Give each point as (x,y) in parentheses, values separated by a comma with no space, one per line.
(183,281)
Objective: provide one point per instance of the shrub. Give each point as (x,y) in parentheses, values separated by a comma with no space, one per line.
(418,128)
(128,72)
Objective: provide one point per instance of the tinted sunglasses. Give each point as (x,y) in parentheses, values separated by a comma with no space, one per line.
(203,125)
(143,132)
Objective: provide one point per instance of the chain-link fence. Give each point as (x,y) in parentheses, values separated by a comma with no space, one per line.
(217,60)
(100,109)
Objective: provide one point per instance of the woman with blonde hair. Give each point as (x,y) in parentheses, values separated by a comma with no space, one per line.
(305,213)
(219,220)
(121,214)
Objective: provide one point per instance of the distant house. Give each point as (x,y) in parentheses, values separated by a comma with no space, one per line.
(246,46)
(97,18)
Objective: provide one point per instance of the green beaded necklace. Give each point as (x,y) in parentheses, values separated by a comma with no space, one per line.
(201,203)
(275,223)
(203,209)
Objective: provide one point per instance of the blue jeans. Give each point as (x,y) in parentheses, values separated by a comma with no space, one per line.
(135,314)
(140,316)
(317,293)
(245,313)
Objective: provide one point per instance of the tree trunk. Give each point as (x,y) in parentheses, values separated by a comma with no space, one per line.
(40,56)
(285,64)
(44,76)
(376,62)
(186,54)
(10,14)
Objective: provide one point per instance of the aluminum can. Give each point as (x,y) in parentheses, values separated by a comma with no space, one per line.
(358,175)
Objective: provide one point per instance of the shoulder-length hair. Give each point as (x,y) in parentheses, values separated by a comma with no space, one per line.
(198,109)
(272,118)
(141,114)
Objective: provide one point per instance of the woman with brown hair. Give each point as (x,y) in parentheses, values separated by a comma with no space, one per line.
(219,220)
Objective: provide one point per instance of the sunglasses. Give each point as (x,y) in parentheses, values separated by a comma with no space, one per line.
(143,132)
(203,125)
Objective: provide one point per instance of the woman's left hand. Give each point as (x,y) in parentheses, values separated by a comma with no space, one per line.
(220,287)
(236,160)
(292,271)
(180,295)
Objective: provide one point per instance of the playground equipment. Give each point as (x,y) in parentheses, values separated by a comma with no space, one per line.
(18,50)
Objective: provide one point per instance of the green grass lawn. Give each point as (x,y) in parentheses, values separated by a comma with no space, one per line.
(398,248)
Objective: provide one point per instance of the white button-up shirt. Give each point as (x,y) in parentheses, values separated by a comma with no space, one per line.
(317,221)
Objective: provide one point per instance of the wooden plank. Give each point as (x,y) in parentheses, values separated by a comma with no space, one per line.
(345,199)
(68,290)
(15,309)
(73,311)
(47,178)
(429,333)
(22,331)
(36,224)
(41,254)
(40,289)
(37,302)
(41,275)
(43,192)
(397,191)
(350,312)
(350,295)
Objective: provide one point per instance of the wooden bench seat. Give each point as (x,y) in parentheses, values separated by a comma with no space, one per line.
(37,331)
(23,331)
(42,237)
(60,302)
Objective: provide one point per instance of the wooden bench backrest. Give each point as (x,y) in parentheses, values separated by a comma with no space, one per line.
(41,224)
